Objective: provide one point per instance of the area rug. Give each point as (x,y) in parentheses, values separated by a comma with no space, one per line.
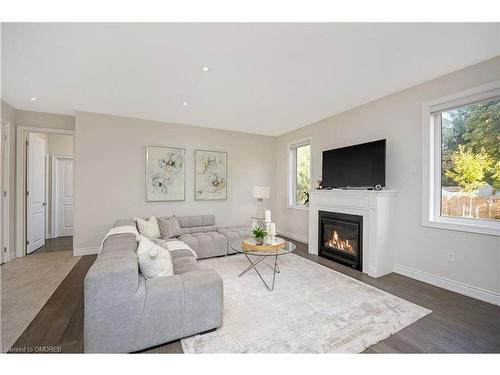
(312,309)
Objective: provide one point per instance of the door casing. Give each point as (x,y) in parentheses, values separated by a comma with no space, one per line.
(21,136)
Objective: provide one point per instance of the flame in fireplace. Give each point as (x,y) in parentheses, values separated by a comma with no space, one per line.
(337,242)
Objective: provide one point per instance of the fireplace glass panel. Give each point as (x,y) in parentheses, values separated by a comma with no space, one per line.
(341,236)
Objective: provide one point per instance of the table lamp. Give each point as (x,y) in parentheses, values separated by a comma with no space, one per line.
(260,193)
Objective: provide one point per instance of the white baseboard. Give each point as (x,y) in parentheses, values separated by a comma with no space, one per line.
(294,236)
(454,286)
(85,251)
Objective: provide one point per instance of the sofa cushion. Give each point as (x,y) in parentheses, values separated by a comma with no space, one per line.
(169,227)
(206,244)
(181,253)
(120,243)
(185,264)
(208,220)
(204,229)
(196,221)
(183,221)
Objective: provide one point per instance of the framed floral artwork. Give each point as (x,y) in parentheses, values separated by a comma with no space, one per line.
(165,174)
(210,175)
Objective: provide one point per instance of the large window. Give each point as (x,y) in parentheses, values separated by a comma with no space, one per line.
(463,169)
(299,173)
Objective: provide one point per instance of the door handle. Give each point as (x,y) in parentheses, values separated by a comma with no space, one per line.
(44,203)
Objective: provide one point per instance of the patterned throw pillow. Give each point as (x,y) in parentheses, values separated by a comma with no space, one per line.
(154,260)
(148,228)
(169,227)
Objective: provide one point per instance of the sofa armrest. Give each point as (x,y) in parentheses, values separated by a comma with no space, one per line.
(203,300)
(112,279)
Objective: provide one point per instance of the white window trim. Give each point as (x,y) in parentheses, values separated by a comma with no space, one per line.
(291,173)
(431,207)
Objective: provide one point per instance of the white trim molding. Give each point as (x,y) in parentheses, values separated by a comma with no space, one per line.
(454,286)
(295,237)
(291,173)
(431,189)
(85,251)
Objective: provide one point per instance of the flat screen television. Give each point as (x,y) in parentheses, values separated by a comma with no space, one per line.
(358,166)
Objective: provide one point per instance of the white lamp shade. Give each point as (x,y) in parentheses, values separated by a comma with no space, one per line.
(261,192)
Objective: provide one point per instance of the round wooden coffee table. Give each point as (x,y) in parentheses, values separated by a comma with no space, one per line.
(256,255)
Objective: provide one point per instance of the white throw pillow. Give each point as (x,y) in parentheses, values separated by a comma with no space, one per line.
(154,260)
(148,228)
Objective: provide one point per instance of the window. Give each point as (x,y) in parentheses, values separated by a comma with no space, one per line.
(462,170)
(299,173)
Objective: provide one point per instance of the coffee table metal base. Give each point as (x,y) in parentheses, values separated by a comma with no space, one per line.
(254,263)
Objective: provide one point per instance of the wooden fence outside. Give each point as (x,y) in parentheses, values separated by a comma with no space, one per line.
(482,207)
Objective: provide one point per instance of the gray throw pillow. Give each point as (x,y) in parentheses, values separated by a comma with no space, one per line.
(169,227)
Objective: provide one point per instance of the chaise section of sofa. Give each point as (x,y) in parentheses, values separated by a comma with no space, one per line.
(124,312)
(234,233)
(199,232)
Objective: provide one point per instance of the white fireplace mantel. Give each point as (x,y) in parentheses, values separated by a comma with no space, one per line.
(376,208)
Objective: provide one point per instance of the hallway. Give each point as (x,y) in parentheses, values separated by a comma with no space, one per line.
(56,244)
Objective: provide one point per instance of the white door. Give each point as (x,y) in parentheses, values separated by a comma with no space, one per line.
(36,205)
(64,196)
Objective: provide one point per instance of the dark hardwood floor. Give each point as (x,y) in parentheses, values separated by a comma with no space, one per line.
(457,324)
(59,324)
(56,244)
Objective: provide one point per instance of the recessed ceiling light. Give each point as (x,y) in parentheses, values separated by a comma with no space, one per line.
(33,99)
(185,104)
(205,68)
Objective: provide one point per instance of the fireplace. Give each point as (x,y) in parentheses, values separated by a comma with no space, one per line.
(341,238)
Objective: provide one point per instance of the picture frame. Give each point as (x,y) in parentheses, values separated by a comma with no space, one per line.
(210,180)
(165,174)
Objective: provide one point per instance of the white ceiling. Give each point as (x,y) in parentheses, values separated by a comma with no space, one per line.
(263,78)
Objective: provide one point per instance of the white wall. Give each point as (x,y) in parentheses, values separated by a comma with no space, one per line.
(398,118)
(60,144)
(44,120)
(110,172)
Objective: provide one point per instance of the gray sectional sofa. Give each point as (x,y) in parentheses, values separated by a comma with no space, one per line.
(124,312)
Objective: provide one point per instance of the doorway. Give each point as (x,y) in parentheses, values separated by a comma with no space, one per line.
(49,192)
